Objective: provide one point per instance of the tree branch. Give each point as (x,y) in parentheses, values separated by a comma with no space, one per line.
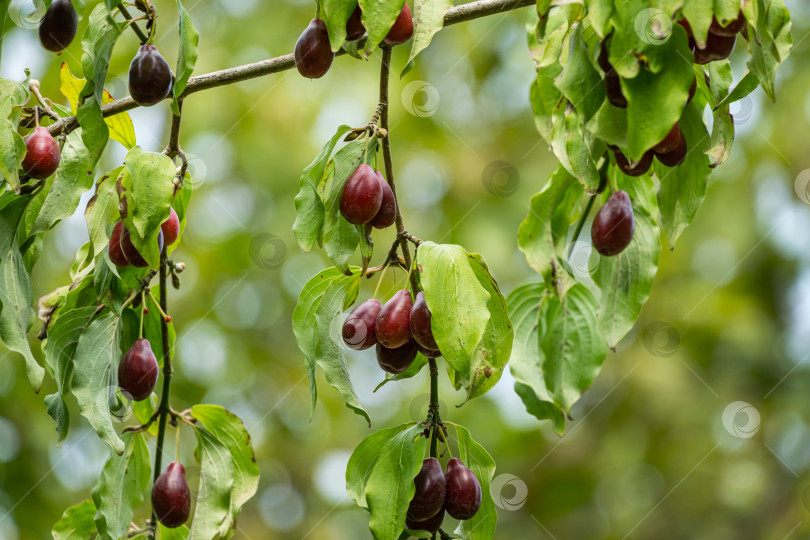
(458,14)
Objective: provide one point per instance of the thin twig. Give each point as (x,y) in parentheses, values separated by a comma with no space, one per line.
(123,9)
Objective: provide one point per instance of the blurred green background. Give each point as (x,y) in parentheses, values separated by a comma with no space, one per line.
(647,454)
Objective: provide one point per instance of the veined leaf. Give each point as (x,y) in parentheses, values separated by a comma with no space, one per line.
(76,523)
(428,19)
(482,525)
(212,518)
(378,18)
(363,459)
(187,56)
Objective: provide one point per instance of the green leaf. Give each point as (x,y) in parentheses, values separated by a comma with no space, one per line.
(458,302)
(16,290)
(12,147)
(97,356)
(626,279)
(178,533)
(101,210)
(212,517)
(572,346)
(147,199)
(772,44)
(579,81)
(63,337)
(228,429)
(482,525)
(389,487)
(76,523)
(363,460)
(571,144)
(683,188)
(121,487)
(427,21)
(186,56)
(699,13)
(378,18)
(526,311)
(336,15)
(543,234)
(655,100)
(70,182)
(97,42)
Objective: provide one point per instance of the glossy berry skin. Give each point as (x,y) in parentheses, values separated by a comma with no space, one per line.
(313,53)
(171,498)
(170,228)
(674,157)
(41,154)
(150,77)
(673,139)
(717,48)
(430,488)
(430,525)
(396,360)
(613,87)
(733,28)
(463,497)
(613,226)
(115,250)
(358,329)
(393,327)
(131,254)
(138,370)
(354,26)
(402,30)
(428,353)
(387,213)
(58,27)
(634,169)
(420,323)
(362,196)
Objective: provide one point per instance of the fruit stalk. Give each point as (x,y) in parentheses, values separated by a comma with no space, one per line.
(163,408)
(434,407)
(135,28)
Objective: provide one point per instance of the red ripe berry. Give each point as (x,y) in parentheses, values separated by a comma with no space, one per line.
(613,87)
(420,324)
(354,26)
(131,254)
(430,525)
(387,213)
(634,169)
(362,196)
(674,157)
(613,226)
(393,327)
(171,228)
(358,330)
(171,498)
(313,53)
(428,497)
(732,29)
(115,251)
(41,154)
(402,30)
(138,370)
(463,491)
(717,48)
(673,139)
(58,27)
(396,360)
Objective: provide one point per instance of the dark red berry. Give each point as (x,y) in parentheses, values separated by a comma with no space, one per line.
(387,213)
(674,157)
(41,154)
(463,497)
(428,353)
(430,525)
(613,87)
(733,28)
(58,27)
(393,327)
(612,228)
(354,26)
(717,48)
(396,360)
(171,498)
(362,196)
(115,251)
(150,77)
(171,228)
(313,53)
(673,139)
(138,370)
(131,253)
(402,30)
(602,60)
(430,488)
(420,323)
(358,330)
(633,169)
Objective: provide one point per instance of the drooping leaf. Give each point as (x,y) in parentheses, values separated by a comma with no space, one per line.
(13,95)
(579,81)
(378,18)
(428,19)
(101,210)
(76,523)
(212,518)
(363,460)
(482,525)
(336,15)
(186,56)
